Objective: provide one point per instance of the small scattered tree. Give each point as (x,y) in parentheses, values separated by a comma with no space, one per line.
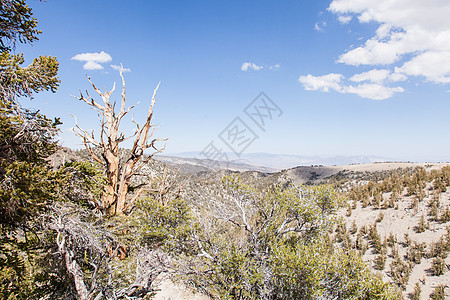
(380,260)
(417,291)
(375,238)
(416,251)
(391,240)
(400,271)
(439,248)
(422,225)
(438,266)
(115,200)
(380,217)
(353,227)
(438,292)
(445,215)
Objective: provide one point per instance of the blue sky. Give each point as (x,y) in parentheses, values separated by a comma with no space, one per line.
(351,77)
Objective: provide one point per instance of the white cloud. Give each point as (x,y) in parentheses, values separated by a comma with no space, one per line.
(333,81)
(319,26)
(413,33)
(397,77)
(412,39)
(117,68)
(101,57)
(372,91)
(372,53)
(431,14)
(250,66)
(383,31)
(375,75)
(274,67)
(434,66)
(345,19)
(323,83)
(92,65)
(93,60)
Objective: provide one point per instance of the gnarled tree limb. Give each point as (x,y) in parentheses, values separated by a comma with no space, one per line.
(116,199)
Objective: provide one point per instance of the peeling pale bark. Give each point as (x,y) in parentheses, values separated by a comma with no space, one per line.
(115,200)
(71,264)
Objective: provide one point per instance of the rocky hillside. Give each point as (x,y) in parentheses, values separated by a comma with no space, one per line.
(400,224)
(397,215)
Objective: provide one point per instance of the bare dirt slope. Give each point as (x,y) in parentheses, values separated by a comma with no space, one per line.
(316,174)
(416,222)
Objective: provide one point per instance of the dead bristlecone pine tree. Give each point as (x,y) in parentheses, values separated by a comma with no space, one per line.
(116,200)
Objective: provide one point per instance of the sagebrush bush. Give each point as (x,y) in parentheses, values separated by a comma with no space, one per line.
(407,241)
(375,238)
(391,241)
(438,266)
(349,210)
(353,227)
(380,217)
(267,258)
(415,252)
(417,291)
(445,215)
(433,207)
(422,225)
(400,271)
(438,248)
(380,261)
(438,292)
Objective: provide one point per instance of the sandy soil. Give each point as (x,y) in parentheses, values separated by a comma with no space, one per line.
(171,291)
(398,222)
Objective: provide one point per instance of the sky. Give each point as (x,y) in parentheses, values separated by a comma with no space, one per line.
(341,77)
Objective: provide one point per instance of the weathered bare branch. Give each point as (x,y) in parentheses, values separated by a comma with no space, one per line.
(106,95)
(122,105)
(119,175)
(78,239)
(90,101)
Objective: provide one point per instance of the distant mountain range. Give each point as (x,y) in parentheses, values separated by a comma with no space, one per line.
(197,165)
(263,162)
